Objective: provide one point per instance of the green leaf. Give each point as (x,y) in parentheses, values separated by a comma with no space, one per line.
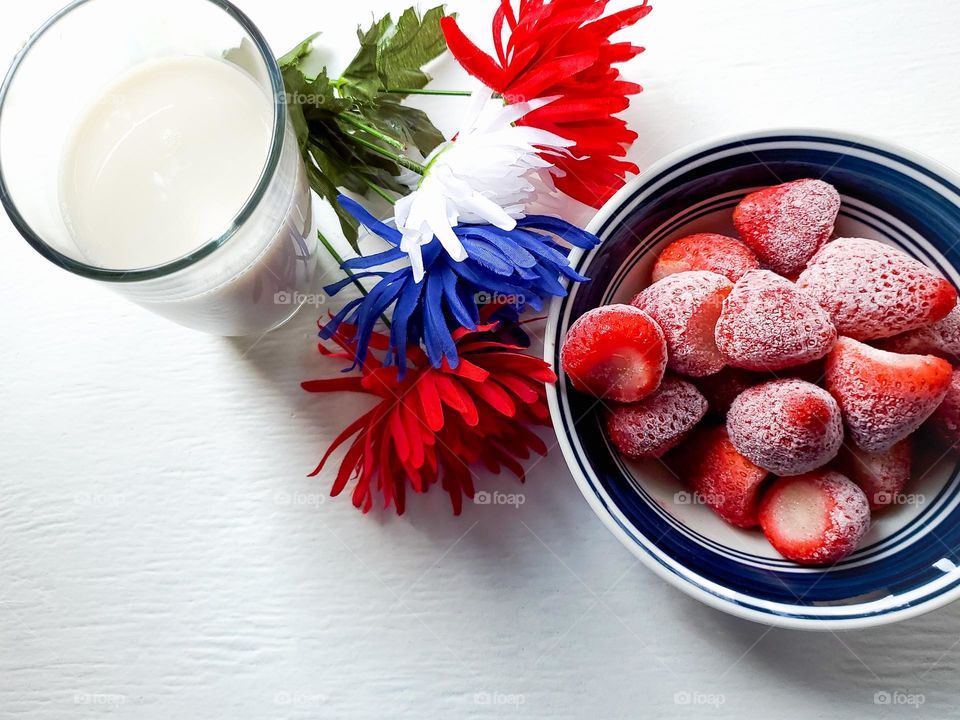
(319,99)
(351,131)
(293,58)
(361,79)
(407,47)
(406,123)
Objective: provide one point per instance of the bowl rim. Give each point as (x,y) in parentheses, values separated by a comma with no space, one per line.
(685,583)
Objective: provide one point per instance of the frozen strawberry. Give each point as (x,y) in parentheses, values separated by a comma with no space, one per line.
(724,479)
(884,396)
(786,224)
(616,352)
(874,291)
(686,305)
(723,255)
(815,518)
(767,323)
(882,476)
(647,429)
(722,388)
(942,339)
(787,426)
(945,421)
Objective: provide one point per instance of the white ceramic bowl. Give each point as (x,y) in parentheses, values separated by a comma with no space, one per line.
(909,562)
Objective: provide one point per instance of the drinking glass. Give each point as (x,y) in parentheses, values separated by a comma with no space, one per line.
(259,269)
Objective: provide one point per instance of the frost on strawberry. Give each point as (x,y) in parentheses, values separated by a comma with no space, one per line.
(941,338)
(875,291)
(767,323)
(787,426)
(649,428)
(686,306)
(724,480)
(721,254)
(786,224)
(884,396)
(882,476)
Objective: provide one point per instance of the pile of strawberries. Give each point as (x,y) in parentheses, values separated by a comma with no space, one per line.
(813,361)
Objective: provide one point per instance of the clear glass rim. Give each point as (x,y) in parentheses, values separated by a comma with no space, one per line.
(185,261)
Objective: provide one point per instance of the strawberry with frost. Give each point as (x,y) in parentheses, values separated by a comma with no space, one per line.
(884,396)
(875,291)
(788,427)
(767,323)
(786,224)
(686,305)
(649,428)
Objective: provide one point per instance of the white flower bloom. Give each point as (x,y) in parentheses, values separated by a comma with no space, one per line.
(488,173)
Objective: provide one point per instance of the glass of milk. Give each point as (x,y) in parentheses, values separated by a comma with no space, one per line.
(146,145)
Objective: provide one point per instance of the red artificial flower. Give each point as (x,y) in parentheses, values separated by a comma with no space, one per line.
(562,48)
(434,423)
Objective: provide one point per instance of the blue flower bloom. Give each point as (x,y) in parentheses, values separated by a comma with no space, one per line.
(517,269)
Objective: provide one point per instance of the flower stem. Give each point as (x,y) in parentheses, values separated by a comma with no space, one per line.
(370,130)
(379,191)
(398,159)
(414,91)
(339,260)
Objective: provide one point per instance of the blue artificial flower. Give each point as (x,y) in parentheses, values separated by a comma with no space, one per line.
(517,269)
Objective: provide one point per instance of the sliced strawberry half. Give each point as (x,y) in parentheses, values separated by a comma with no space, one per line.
(647,429)
(686,306)
(616,352)
(875,291)
(723,479)
(723,255)
(882,476)
(815,518)
(767,323)
(884,396)
(786,224)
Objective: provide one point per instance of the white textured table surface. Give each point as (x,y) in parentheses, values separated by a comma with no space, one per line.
(162,554)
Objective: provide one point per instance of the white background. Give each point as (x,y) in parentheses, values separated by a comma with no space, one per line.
(152,564)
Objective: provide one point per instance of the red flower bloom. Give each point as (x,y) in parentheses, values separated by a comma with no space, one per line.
(563,48)
(435,423)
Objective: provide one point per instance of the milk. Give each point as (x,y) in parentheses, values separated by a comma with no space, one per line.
(160,164)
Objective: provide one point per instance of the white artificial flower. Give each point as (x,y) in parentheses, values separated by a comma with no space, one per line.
(488,173)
